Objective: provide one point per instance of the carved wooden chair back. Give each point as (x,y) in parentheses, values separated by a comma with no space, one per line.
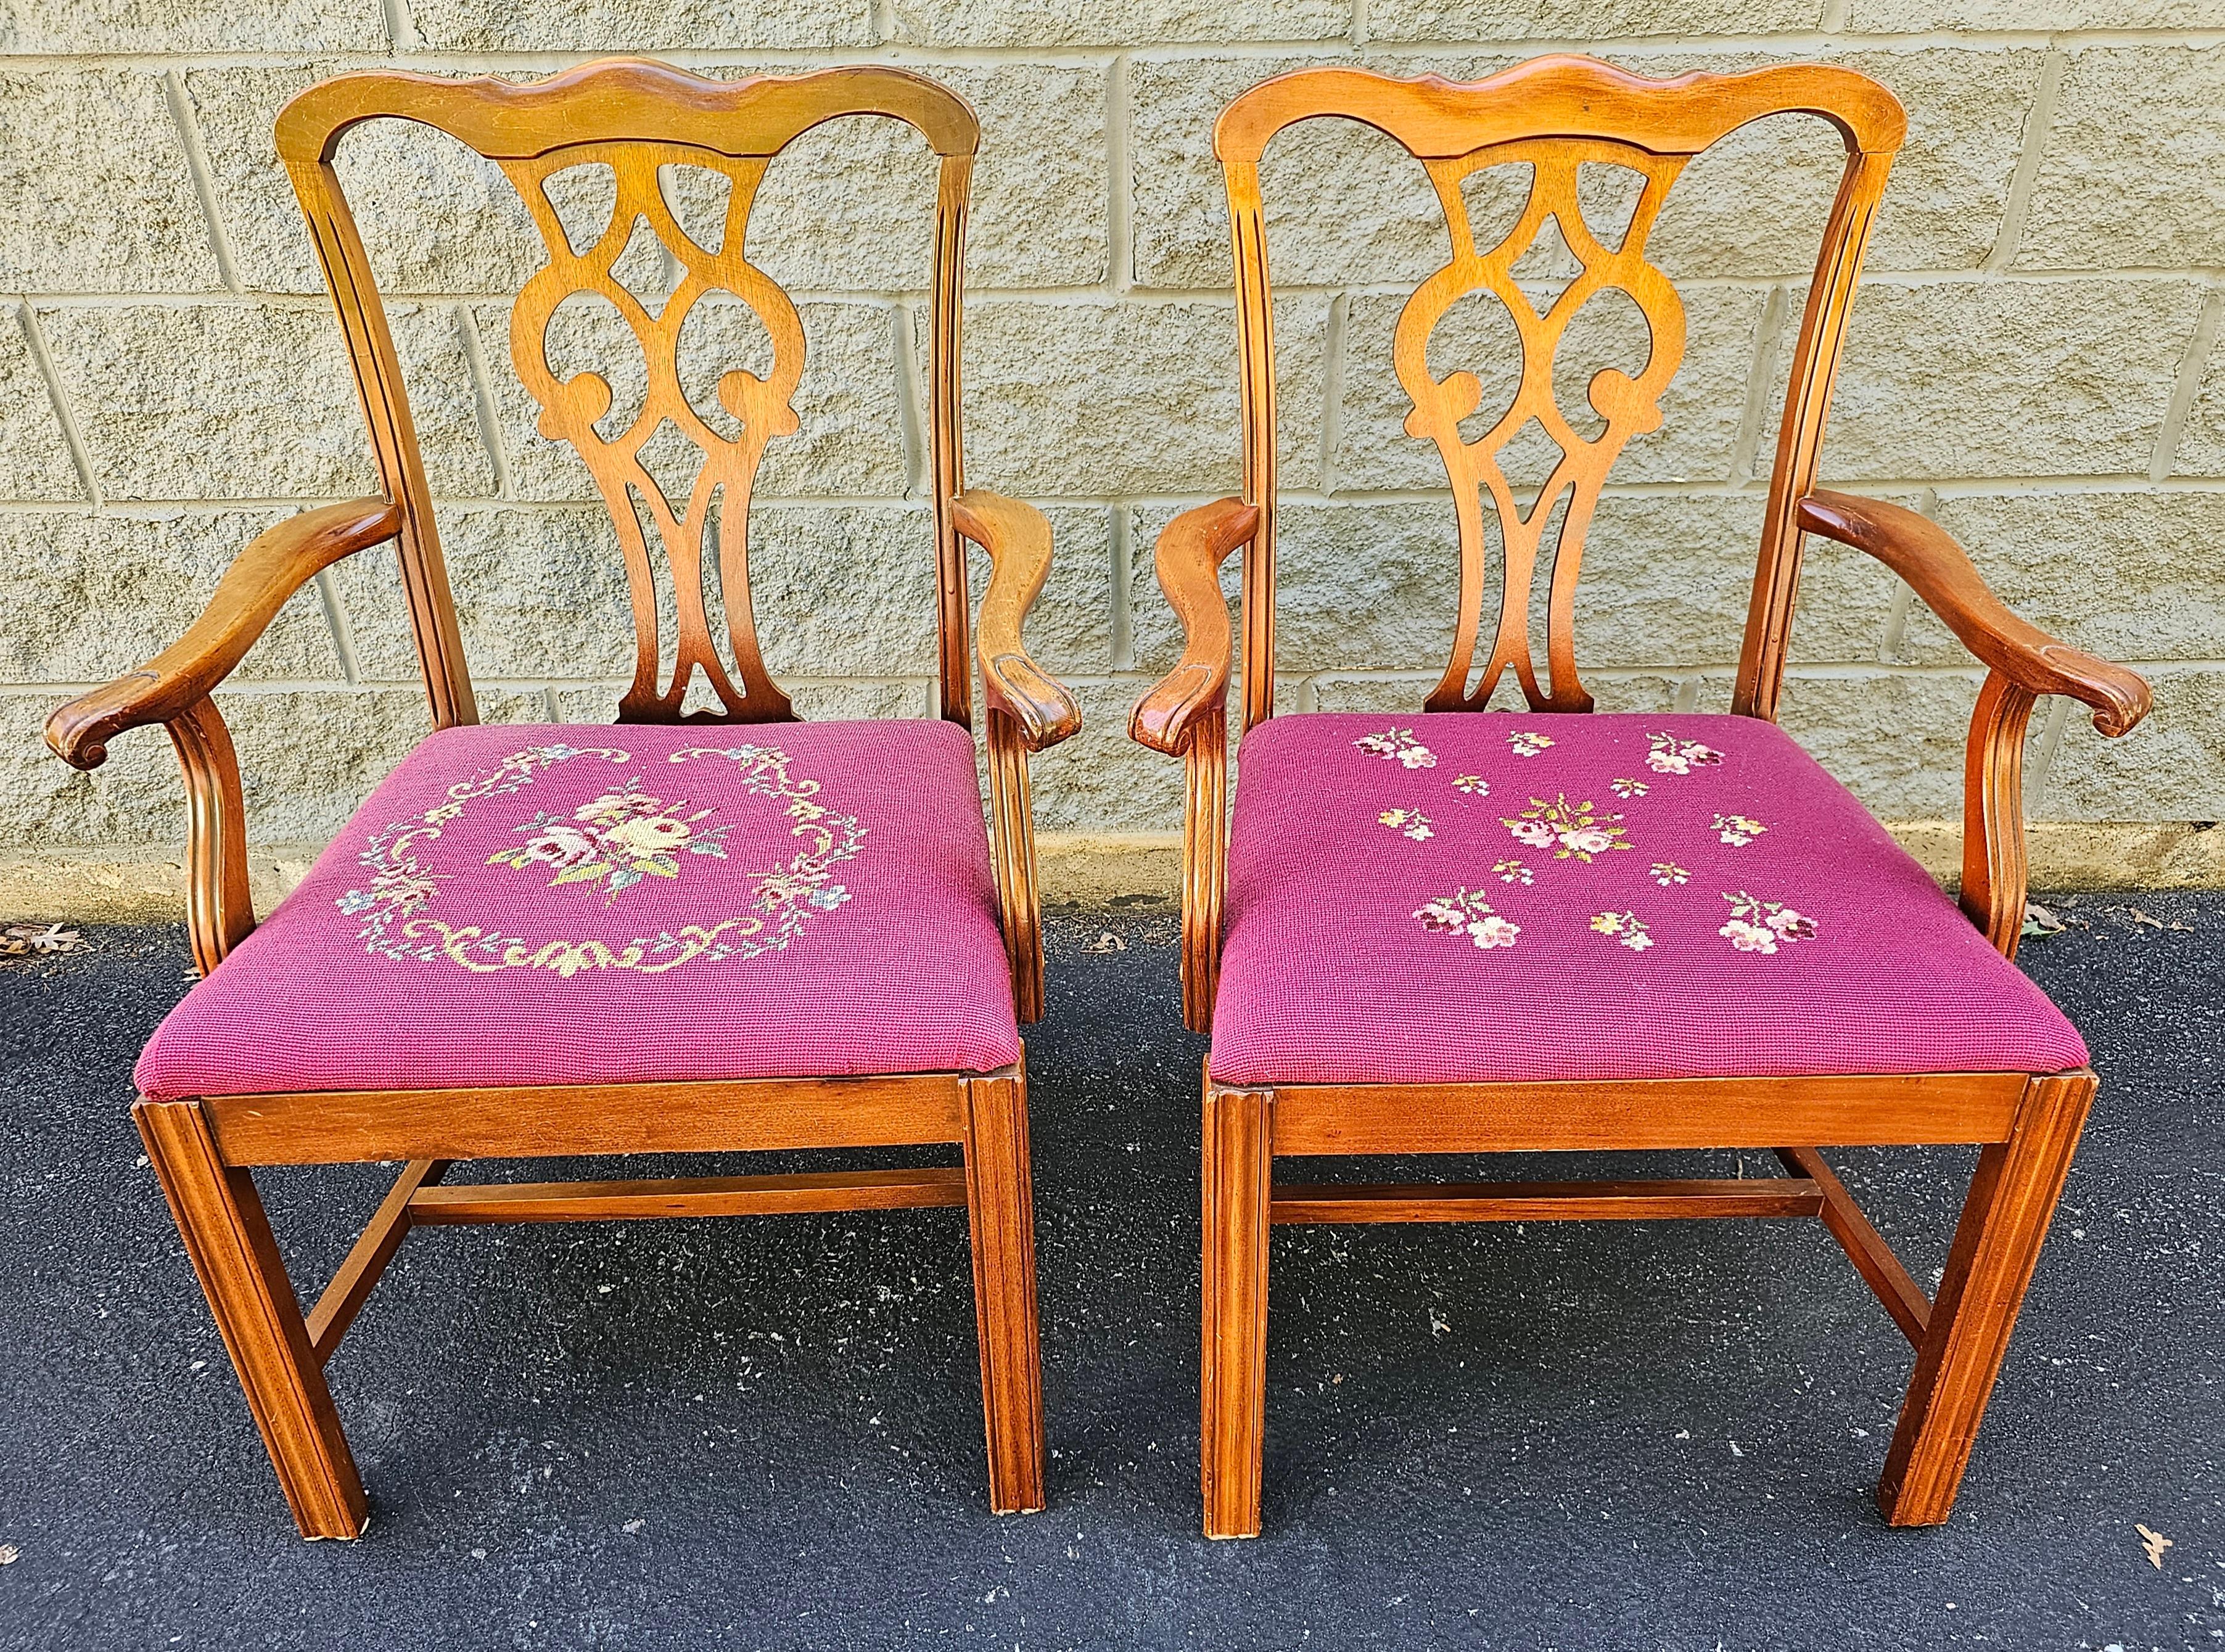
(1556,116)
(640,119)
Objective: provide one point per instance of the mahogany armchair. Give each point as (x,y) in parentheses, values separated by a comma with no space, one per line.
(1456,933)
(700,930)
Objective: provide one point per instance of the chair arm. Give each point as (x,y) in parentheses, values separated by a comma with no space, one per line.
(1190,553)
(1938,570)
(275,564)
(1017,539)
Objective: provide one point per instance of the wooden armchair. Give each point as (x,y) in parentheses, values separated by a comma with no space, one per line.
(696,931)
(1455,932)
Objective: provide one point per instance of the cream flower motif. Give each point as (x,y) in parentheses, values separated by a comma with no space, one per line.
(1788,925)
(1737,830)
(1442,917)
(615,805)
(1473,785)
(1666,872)
(1407,823)
(1529,742)
(1670,756)
(560,846)
(1758,926)
(1398,745)
(1511,872)
(649,835)
(1466,913)
(1587,841)
(1535,833)
(1627,788)
(1748,937)
(1627,928)
(1494,932)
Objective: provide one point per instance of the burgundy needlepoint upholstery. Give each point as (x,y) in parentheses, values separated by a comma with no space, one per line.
(1467,898)
(564,905)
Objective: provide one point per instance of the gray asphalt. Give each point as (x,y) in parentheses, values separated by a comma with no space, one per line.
(768,1434)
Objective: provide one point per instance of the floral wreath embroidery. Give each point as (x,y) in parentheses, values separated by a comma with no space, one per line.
(1760,926)
(1666,872)
(1407,823)
(1627,788)
(621,832)
(1565,828)
(1670,756)
(1466,913)
(1529,742)
(1511,872)
(1399,744)
(1737,830)
(1473,785)
(1627,928)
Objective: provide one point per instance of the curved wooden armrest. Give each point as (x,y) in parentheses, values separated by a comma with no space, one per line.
(1017,539)
(270,570)
(1940,571)
(1190,553)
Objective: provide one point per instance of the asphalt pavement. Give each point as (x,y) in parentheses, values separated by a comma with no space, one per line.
(767,1432)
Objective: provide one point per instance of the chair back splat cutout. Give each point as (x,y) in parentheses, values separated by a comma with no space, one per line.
(643,122)
(1555,116)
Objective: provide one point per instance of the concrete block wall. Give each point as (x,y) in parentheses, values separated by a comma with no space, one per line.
(2034,361)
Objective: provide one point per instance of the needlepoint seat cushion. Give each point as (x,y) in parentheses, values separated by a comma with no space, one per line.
(572,905)
(1467,898)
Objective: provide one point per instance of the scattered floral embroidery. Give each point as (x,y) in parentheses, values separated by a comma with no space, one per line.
(1467,914)
(1511,872)
(1473,785)
(1760,926)
(1568,829)
(1628,788)
(1737,830)
(1529,742)
(1408,823)
(1627,928)
(1666,872)
(620,837)
(1670,756)
(1398,743)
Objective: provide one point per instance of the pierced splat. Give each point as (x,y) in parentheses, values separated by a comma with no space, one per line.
(1629,404)
(575,409)
(1561,117)
(640,178)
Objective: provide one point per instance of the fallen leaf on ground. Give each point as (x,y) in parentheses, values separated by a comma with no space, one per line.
(2039,920)
(27,939)
(2154,1543)
(9,1554)
(1107,942)
(2140,917)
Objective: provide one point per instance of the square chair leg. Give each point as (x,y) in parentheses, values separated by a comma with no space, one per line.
(229,1239)
(1000,1211)
(1996,1247)
(1239,1167)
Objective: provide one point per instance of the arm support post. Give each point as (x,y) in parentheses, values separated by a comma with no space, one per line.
(173,689)
(2022,663)
(1028,712)
(1187,713)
